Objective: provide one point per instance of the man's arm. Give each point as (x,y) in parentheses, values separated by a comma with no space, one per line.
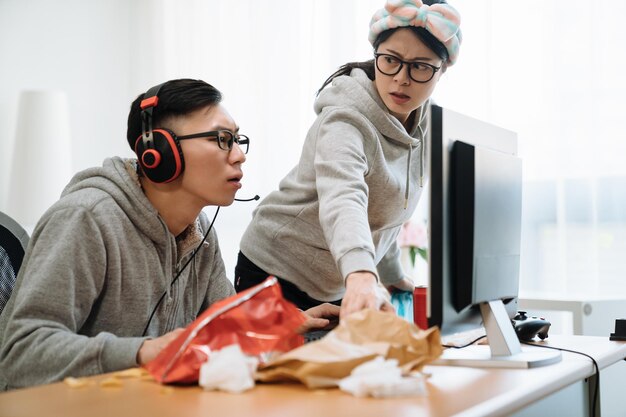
(60,281)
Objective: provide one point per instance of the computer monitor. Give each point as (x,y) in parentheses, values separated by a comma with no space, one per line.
(475,209)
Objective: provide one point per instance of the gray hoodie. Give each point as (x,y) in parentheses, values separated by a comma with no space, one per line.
(97,263)
(341,208)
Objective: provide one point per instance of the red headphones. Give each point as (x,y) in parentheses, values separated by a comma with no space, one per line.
(158,151)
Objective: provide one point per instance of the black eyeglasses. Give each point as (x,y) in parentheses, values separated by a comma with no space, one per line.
(224,138)
(420,72)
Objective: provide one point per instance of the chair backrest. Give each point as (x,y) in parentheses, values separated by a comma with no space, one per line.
(13,243)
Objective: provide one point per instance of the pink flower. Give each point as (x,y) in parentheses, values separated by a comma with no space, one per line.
(413,235)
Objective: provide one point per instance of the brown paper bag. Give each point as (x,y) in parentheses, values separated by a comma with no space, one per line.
(359,338)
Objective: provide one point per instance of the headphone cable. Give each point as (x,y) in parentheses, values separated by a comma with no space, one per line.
(193,255)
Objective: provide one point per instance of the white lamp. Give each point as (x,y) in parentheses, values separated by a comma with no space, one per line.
(41,164)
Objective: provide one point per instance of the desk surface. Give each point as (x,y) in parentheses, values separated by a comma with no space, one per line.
(451,391)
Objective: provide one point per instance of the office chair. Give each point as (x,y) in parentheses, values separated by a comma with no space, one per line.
(13,242)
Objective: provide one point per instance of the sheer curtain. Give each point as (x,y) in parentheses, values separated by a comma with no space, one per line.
(551,72)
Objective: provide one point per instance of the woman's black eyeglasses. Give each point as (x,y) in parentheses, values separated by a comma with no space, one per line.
(224,138)
(420,72)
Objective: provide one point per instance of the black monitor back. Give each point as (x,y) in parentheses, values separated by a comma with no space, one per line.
(486,222)
(449,305)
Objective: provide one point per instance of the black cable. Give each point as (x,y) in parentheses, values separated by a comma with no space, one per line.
(469,344)
(595,364)
(193,255)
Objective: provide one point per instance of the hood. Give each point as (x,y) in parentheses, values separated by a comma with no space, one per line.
(118,178)
(357,91)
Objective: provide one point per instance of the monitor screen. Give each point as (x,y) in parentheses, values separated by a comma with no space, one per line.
(475,209)
(486,224)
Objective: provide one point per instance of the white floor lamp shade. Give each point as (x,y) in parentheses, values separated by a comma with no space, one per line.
(41,164)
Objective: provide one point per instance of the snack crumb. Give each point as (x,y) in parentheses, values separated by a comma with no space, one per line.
(111,382)
(75,382)
(131,373)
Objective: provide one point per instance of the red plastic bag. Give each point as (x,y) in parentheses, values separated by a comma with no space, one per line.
(259,319)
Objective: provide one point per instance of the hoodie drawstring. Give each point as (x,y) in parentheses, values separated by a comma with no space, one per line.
(408,171)
(422,144)
(422,162)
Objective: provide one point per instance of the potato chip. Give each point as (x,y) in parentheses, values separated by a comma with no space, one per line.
(167,390)
(75,382)
(111,382)
(131,373)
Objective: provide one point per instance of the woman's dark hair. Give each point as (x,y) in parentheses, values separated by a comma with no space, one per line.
(369,67)
(176,98)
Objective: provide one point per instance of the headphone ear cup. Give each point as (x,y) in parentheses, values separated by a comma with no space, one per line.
(164,162)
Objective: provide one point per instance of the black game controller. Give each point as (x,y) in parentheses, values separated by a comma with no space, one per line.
(529,327)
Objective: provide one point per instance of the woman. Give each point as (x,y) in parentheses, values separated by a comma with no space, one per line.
(329,232)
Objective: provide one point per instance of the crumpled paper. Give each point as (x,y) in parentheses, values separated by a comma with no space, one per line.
(228,369)
(358,338)
(382,378)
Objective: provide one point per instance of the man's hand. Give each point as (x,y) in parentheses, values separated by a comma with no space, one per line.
(324,316)
(363,291)
(150,348)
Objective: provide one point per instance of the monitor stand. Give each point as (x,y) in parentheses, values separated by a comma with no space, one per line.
(504,349)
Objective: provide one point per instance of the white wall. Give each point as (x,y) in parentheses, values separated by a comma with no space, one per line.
(81,47)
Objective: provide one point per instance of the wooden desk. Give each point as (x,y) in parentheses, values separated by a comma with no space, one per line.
(452,391)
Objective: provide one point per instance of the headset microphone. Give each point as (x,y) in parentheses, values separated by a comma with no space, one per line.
(256,197)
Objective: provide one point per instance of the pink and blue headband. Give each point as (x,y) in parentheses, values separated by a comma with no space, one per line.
(441,20)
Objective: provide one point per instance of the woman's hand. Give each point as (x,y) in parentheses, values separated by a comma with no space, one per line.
(324,316)
(403,285)
(363,291)
(150,348)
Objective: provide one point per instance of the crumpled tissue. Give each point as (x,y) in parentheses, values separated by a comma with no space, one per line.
(380,378)
(228,370)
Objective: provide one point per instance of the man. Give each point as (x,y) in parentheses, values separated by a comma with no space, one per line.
(126,257)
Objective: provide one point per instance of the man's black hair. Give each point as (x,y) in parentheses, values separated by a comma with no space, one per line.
(176,98)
